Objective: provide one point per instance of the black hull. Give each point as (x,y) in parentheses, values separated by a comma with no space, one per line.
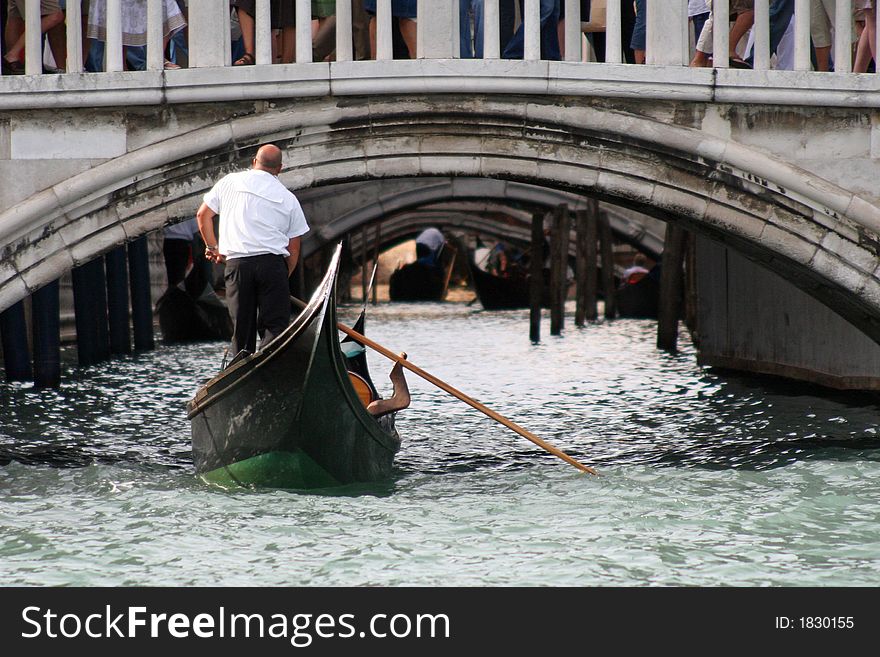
(293,397)
(183,318)
(417,282)
(638,300)
(496,293)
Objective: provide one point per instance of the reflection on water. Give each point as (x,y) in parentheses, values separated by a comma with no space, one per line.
(706,479)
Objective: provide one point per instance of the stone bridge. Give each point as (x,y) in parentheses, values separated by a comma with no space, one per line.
(778,166)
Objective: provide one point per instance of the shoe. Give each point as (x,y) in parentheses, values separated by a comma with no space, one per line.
(11,68)
(246,59)
(169,65)
(51,71)
(736,62)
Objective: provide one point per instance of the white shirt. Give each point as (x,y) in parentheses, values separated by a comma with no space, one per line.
(697,7)
(432,238)
(258,215)
(185,230)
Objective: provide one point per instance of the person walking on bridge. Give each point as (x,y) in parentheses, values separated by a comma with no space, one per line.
(261,225)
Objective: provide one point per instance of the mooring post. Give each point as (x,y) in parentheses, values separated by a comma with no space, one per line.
(16,352)
(669,309)
(591,282)
(375,260)
(536,277)
(117,300)
(607,248)
(580,265)
(141,299)
(47,336)
(559,268)
(84,308)
(363,264)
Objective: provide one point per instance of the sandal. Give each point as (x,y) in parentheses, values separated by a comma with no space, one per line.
(169,65)
(246,59)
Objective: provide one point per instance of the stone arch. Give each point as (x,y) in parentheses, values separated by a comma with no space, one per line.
(816,234)
(472,197)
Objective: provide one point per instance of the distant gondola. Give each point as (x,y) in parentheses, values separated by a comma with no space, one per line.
(426,279)
(638,297)
(192,311)
(508,292)
(289,415)
(417,281)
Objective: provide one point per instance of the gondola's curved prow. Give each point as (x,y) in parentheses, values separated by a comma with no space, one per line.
(287,416)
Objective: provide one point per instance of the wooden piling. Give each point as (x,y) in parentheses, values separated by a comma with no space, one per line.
(669,308)
(363,264)
(606,246)
(47,336)
(16,352)
(117,301)
(141,299)
(591,280)
(536,277)
(376,243)
(559,268)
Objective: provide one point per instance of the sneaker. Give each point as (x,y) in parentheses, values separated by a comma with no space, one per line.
(11,68)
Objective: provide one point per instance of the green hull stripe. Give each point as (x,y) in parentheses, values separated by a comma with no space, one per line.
(273,470)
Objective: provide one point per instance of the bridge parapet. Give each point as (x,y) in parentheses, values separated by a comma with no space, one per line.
(438,68)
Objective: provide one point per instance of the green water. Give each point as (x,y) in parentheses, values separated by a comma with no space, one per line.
(706,479)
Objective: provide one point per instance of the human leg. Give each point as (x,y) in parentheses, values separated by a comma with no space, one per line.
(408,30)
(400,397)
(273,295)
(242,303)
(639,35)
(248,27)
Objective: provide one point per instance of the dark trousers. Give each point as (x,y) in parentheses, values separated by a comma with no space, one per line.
(257,284)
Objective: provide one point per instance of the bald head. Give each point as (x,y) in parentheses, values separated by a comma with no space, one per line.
(268,159)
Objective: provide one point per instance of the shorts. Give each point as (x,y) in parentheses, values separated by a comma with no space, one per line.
(399,8)
(15,8)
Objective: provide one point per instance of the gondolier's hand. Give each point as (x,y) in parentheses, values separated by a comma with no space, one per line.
(213,254)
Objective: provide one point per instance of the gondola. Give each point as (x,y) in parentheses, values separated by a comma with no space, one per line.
(417,281)
(638,299)
(289,415)
(192,311)
(498,293)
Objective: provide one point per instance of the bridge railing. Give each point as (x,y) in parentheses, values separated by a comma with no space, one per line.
(668,40)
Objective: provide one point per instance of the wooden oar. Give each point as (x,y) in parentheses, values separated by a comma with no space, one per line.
(463,397)
(364,340)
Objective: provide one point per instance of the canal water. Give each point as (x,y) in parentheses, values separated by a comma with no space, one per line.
(706,479)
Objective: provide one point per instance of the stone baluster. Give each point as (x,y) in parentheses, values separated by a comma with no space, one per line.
(73,16)
(344,51)
(667,34)
(802,35)
(491,30)
(155,34)
(384,43)
(843,20)
(613,39)
(532,30)
(209,34)
(263,33)
(720,33)
(113,44)
(303,31)
(437,31)
(762,35)
(33,44)
(573,34)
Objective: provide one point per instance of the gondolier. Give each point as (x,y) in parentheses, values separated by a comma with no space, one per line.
(261,224)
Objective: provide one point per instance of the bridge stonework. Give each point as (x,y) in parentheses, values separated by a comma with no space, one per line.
(789,186)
